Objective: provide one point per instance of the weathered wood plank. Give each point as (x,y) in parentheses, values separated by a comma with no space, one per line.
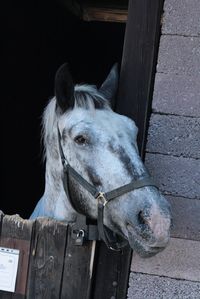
(16,233)
(8,295)
(104,14)
(112,283)
(47,258)
(139,63)
(186,218)
(181,259)
(78,269)
(106,11)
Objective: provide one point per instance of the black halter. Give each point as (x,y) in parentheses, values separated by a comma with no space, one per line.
(111,239)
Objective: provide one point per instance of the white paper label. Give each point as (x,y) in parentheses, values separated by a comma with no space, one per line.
(8,268)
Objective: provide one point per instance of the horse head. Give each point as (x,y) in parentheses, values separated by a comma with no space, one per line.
(93,166)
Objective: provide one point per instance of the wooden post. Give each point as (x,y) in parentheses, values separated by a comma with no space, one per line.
(78,266)
(134,100)
(139,63)
(47,259)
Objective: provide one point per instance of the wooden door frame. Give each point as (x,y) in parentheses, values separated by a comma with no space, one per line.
(134,99)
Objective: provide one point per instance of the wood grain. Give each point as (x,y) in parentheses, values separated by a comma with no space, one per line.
(47,259)
(104,14)
(77,275)
(139,63)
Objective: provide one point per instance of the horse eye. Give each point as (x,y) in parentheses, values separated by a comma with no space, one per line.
(80,139)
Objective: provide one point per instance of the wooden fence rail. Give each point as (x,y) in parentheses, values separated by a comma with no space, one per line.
(50,264)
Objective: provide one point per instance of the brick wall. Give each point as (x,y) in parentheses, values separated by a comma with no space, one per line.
(173,157)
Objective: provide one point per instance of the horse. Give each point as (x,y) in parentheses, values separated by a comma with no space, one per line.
(93,167)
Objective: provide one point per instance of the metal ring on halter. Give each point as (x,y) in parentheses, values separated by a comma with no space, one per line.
(101,198)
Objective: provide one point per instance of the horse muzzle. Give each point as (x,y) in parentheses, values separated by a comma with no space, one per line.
(149,232)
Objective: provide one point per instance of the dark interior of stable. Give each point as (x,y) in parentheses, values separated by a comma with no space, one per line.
(38,37)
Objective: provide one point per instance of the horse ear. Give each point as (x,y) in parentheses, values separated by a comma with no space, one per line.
(64,88)
(110,85)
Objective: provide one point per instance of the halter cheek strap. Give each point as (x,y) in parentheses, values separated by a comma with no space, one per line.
(111,239)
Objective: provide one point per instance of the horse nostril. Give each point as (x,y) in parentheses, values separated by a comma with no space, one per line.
(142,218)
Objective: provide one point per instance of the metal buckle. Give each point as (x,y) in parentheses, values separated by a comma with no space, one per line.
(101,198)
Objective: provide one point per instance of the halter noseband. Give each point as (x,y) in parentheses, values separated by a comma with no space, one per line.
(110,238)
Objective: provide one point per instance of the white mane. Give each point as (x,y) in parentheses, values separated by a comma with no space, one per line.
(88,96)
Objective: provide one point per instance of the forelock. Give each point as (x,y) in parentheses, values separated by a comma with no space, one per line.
(88,97)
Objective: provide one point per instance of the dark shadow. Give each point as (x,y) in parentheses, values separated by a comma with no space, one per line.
(38,37)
